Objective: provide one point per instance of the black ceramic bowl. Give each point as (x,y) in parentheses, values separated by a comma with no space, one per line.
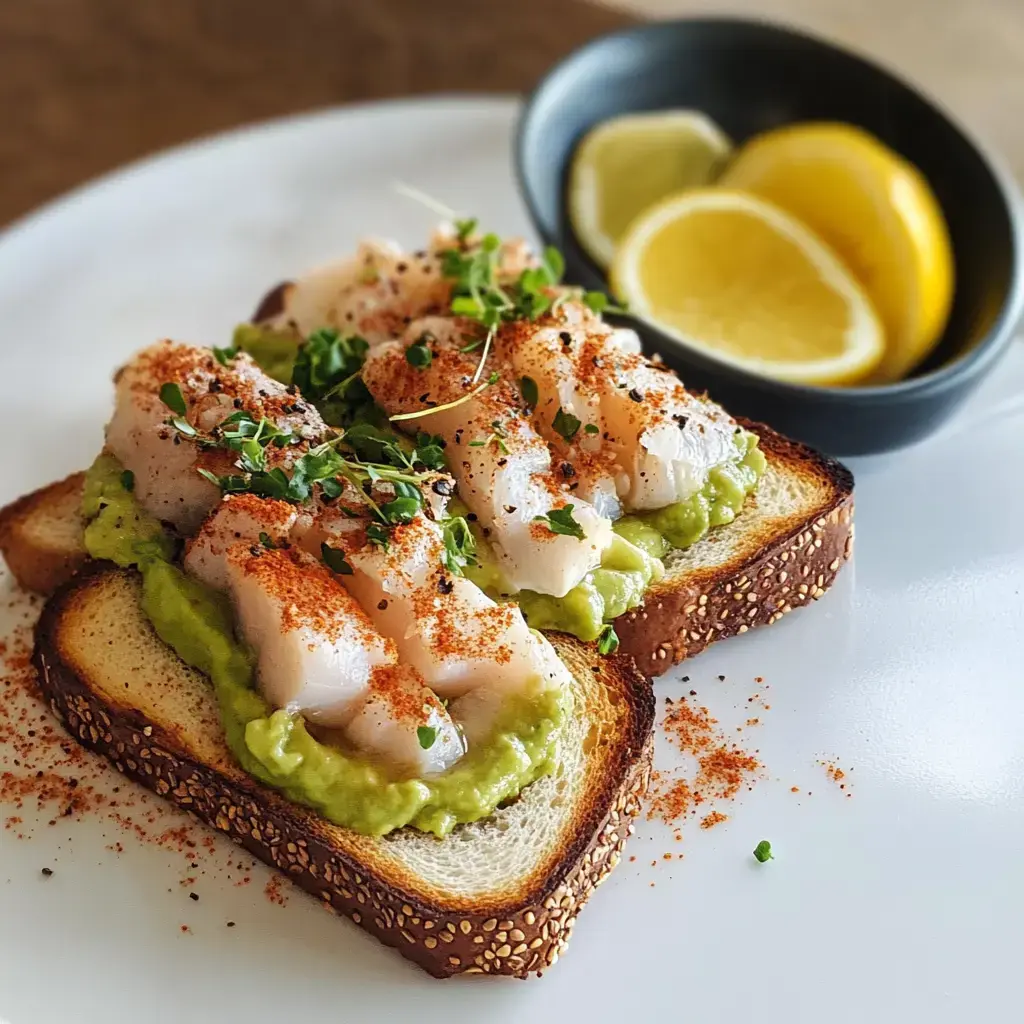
(751,76)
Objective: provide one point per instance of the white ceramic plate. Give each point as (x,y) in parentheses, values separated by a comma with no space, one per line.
(900,903)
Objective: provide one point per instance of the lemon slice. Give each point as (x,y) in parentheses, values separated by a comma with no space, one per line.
(876,211)
(740,279)
(629,163)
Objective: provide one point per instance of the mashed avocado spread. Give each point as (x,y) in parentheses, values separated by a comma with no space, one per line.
(717,503)
(275,746)
(274,351)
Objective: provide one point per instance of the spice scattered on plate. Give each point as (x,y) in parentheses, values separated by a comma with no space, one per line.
(723,767)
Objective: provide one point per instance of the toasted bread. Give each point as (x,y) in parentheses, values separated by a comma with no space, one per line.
(41,535)
(782,551)
(499,896)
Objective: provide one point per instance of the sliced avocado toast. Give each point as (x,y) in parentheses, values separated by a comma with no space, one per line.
(499,897)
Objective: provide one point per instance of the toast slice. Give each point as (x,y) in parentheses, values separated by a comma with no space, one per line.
(784,550)
(499,896)
(41,535)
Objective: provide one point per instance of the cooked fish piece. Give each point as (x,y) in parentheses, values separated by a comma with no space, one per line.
(163,459)
(502,466)
(641,429)
(665,439)
(316,651)
(477,710)
(375,293)
(319,654)
(367,294)
(404,723)
(444,625)
(237,519)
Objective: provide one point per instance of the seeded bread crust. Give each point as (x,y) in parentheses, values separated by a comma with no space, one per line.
(754,571)
(510,932)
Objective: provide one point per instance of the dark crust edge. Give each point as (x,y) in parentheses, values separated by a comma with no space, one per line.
(683,617)
(522,938)
(272,303)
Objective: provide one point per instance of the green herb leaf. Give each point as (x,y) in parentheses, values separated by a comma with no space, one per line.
(267,541)
(326,372)
(466,305)
(401,510)
(763,852)
(183,426)
(418,354)
(377,533)
(225,355)
(429,451)
(331,488)
(592,428)
(465,228)
(427,735)
(171,396)
(459,545)
(608,641)
(334,559)
(371,444)
(228,484)
(566,424)
(598,302)
(560,520)
(554,264)
(530,392)
(128,480)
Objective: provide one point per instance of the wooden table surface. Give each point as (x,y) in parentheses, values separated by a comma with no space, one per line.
(86,85)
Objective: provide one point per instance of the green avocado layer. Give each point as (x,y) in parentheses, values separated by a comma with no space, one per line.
(605,593)
(273,351)
(275,746)
(717,503)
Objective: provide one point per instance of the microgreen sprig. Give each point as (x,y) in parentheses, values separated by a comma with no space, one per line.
(467,397)
(459,545)
(561,521)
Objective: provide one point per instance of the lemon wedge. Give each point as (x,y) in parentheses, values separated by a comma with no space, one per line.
(629,163)
(740,279)
(876,211)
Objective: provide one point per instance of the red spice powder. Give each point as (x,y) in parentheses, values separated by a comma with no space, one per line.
(47,778)
(671,799)
(274,891)
(722,767)
(835,774)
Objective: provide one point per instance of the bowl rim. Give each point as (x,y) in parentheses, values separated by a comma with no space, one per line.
(966,366)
